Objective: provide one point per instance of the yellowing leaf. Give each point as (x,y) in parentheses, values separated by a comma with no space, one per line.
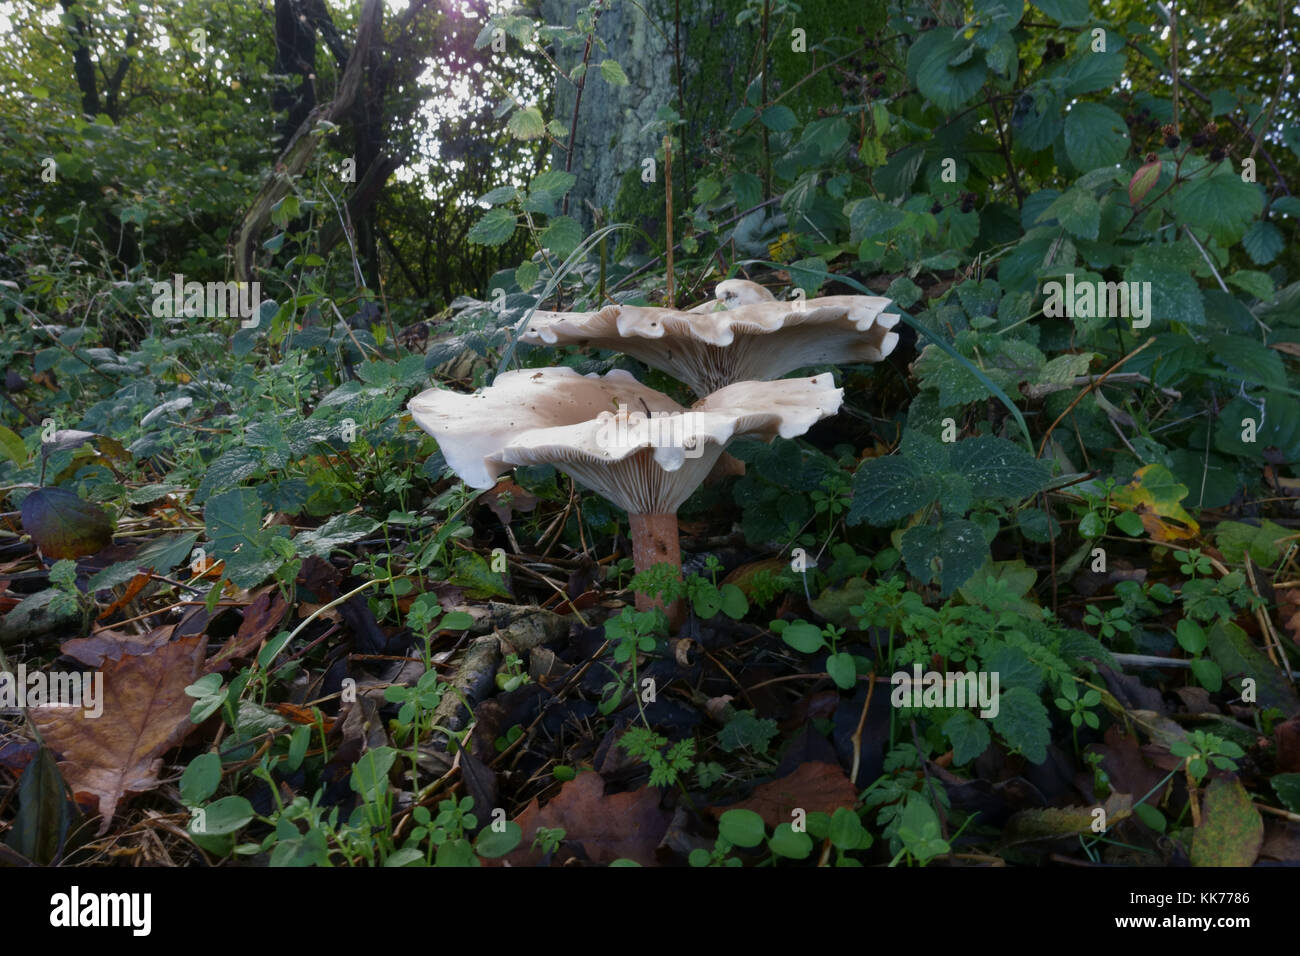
(1155,496)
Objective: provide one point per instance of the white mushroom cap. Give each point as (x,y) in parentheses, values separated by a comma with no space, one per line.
(644,464)
(730,293)
(756,342)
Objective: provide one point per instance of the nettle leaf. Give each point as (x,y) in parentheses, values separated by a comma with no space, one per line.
(969,736)
(233,521)
(526,123)
(997,468)
(562,235)
(338,531)
(888,489)
(496,227)
(1023,722)
(1221,204)
(957,549)
(612,73)
(64,525)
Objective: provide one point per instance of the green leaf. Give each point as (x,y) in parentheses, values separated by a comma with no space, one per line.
(1237,539)
(1068,13)
(1254,282)
(969,736)
(1232,650)
(1130,523)
(223,816)
(201,779)
(45,814)
(945,78)
(526,124)
(842,669)
(827,136)
(888,489)
(1287,787)
(562,235)
(496,227)
(804,637)
(234,527)
(526,275)
(1221,204)
(958,548)
(494,844)
(1023,722)
(338,531)
(742,828)
(1078,213)
(997,468)
(790,844)
(12,447)
(1093,72)
(745,731)
(612,73)
(1095,136)
(1262,242)
(779,118)
(1191,637)
(1208,674)
(553,182)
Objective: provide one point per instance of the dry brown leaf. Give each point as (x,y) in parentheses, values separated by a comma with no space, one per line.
(261,617)
(107,644)
(145,713)
(621,825)
(815,787)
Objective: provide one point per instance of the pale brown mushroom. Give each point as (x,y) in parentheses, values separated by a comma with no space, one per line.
(633,445)
(755,342)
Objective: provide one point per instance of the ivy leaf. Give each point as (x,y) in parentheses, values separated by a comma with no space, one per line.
(1023,722)
(889,488)
(496,226)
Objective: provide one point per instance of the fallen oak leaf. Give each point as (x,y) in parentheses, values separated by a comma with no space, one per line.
(145,713)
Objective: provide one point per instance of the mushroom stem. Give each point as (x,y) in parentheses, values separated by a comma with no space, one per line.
(654,541)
